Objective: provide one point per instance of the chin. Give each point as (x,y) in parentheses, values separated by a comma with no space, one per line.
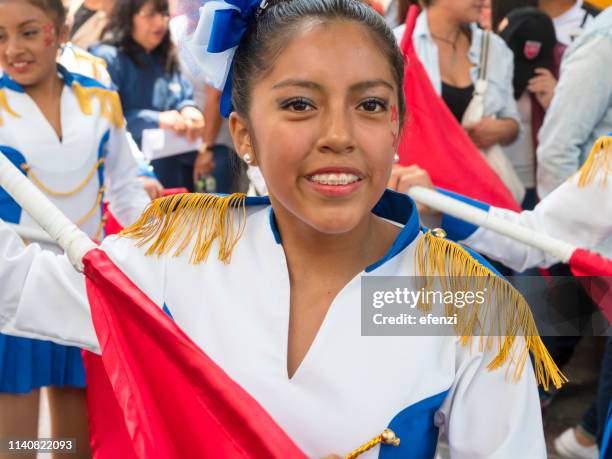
(336,222)
(24,79)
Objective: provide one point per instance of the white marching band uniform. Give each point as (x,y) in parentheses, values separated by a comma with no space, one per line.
(348,388)
(91,162)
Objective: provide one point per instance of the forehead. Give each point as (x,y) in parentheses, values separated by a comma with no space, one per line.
(334,54)
(16,12)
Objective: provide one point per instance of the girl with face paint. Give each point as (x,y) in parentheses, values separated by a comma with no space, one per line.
(65,131)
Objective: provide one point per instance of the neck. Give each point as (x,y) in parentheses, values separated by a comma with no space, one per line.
(555,8)
(47,89)
(309,251)
(442,24)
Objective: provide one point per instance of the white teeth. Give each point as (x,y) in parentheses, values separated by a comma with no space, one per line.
(334,179)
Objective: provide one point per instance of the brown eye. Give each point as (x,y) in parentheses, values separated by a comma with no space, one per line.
(373,105)
(297,105)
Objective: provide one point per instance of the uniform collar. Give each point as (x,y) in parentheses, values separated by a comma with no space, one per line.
(392,206)
(7,82)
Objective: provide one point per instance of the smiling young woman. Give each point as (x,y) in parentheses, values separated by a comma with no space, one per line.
(318,105)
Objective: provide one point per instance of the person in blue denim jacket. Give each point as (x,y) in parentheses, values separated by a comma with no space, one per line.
(448,42)
(142,63)
(581,109)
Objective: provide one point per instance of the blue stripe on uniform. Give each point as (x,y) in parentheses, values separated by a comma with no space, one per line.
(456,229)
(10,211)
(416,430)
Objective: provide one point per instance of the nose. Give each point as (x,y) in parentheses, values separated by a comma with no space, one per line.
(14,47)
(337,131)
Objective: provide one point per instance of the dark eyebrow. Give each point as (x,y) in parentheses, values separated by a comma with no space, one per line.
(24,23)
(312,85)
(372,84)
(299,83)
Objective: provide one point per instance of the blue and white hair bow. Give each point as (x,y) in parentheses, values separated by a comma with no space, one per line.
(213,44)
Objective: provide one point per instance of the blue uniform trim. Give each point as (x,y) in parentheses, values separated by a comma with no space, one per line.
(69,78)
(606,442)
(82,80)
(275,232)
(416,430)
(10,211)
(393,206)
(482,260)
(399,208)
(167,311)
(6,82)
(456,229)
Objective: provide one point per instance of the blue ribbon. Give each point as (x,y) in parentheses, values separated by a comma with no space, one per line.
(228,28)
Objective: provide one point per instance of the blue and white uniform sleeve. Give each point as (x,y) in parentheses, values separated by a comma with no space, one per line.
(576,215)
(126,195)
(43,297)
(487,414)
(145,169)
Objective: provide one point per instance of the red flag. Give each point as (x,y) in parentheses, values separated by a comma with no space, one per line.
(433,139)
(598,284)
(176,402)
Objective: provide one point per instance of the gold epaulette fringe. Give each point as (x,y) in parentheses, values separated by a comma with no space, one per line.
(600,159)
(441,259)
(4,106)
(110,103)
(173,222)
(96,62)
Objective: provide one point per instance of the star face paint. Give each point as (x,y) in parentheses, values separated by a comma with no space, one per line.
(394,116)
(48,34)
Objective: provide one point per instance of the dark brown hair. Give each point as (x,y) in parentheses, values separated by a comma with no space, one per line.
(120,29)
(54,8)
(266,38)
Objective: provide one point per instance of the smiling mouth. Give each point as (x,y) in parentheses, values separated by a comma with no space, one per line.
(20,66)
(334,179)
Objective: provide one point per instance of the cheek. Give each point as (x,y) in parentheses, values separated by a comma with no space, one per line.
(283,146)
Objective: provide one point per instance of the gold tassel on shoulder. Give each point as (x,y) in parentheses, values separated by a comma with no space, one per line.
(172,222)
(110,103)
(4,106)
(600,159)
(504,316)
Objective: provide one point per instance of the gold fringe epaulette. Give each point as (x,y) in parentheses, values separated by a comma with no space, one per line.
(174,221)
(600,159)
(110,104)
(96,63)
(4,106)
(457,270)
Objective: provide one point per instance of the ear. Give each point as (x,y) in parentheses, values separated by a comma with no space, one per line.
(241,136)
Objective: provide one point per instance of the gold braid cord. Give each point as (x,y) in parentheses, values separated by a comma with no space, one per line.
(600,159)
(51,192)
(63,194)
(4,106)
(386,438)
(505,310)
(174,221)
(110,104)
